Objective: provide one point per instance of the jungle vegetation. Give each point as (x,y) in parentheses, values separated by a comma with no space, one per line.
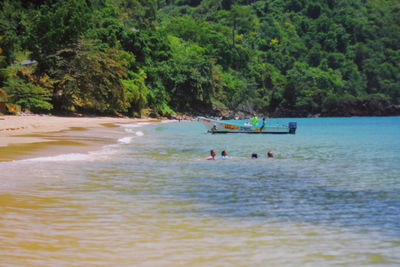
(166,56)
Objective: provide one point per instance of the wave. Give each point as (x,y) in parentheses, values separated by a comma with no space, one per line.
(89,156)
(131,128)
(104,153)
(125,140)
(134,125)
(137,133)
(92,155)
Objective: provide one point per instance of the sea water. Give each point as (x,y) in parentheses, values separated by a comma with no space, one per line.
(330,196)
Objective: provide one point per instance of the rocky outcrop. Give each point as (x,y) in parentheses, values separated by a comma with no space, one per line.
(370,106)
(363,107)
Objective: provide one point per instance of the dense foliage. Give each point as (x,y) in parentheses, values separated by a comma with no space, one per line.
(290,57)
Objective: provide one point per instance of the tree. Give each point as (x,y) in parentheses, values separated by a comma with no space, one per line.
(148,46)
(55,27)
(23,90)
(118,56)
(241,19)
(90,79)
(136,92)
(190,76)
(152,51)
(3,96)
(307,86)
(10,26)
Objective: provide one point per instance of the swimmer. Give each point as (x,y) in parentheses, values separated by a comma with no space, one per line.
(212,155)
(224,154)
(254,156)
(270,154)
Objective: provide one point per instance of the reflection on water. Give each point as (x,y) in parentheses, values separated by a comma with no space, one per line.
(151,202)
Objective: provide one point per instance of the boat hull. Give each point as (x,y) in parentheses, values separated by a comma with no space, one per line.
(224,127)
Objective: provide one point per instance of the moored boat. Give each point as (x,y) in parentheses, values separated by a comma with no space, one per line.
(222,126)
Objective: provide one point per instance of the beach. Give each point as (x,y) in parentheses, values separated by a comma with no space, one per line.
(142,196)
(34,135)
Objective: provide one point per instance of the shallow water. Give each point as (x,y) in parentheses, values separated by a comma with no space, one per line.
(330,196)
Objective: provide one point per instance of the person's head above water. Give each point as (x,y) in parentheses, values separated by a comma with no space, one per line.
(254,156)
(270,154)
(213,153)
(223,153)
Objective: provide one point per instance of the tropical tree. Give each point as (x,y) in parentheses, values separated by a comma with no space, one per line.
(89,79)
(55,27)
(190,76)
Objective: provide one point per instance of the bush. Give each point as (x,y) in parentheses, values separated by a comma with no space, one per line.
(136,92)
(27,95)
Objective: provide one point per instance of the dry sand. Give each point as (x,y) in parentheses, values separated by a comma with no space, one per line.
(34,135)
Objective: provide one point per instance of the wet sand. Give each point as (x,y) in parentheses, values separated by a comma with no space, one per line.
(31,136)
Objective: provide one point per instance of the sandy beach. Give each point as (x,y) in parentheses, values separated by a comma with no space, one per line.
(21,135)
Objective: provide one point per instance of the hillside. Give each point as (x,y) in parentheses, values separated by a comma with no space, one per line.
(216,57)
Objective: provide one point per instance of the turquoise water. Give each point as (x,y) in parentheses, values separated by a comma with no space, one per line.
(331,195)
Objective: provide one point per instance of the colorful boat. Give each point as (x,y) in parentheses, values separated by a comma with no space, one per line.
(221,126)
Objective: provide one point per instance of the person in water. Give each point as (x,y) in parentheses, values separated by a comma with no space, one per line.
(212,155)
(270,154)
(224,154)
(263,124)
(254,156)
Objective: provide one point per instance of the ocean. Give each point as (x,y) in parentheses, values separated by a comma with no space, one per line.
(330,196)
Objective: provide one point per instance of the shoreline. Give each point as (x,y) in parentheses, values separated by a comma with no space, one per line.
(23,137)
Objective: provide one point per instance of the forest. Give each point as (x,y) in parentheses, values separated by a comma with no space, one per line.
(209,57)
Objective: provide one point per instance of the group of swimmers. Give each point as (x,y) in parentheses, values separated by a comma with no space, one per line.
(224,155)
(270,154)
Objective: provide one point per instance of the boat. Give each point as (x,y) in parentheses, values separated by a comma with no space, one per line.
(224,127)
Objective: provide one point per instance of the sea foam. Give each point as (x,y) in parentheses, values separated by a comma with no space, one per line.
(134,125)
(90,156)
(125,140)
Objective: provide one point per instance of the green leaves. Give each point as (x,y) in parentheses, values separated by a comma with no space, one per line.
(55,27)
(90,79)
(190,76)
(115,56)
(136,92)
(308,86)
(27,95)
